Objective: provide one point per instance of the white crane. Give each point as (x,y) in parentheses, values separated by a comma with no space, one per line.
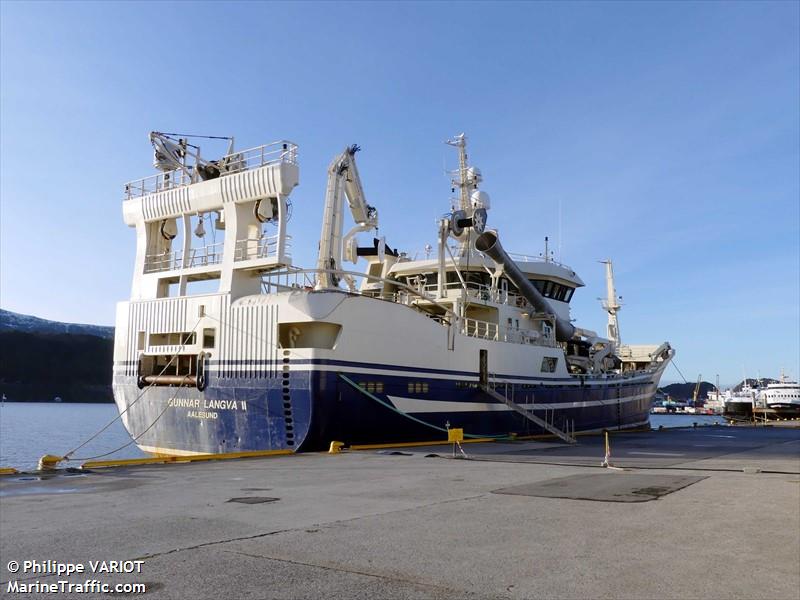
(343,182)
(170,153)
(611,304)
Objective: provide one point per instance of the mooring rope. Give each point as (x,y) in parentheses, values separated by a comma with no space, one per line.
(133,437)
(68,455)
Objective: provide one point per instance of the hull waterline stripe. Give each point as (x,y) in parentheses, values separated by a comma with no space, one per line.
(415,405)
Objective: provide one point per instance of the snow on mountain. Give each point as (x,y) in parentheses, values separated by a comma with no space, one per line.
(11,321)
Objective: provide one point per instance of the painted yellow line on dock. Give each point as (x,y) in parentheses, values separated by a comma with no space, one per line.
(132,462)
(8,471)
(413,444)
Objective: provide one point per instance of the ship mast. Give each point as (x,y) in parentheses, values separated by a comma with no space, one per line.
(469,219)
(611,304)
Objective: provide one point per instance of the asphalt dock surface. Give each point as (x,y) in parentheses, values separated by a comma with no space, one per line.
(711,512)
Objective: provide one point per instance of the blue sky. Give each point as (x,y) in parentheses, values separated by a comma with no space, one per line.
(669,134)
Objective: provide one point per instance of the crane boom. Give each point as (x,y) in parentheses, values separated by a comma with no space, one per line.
(344,181)
(696,390)
(611,304)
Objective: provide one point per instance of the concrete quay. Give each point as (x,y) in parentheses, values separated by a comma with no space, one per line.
(711,512)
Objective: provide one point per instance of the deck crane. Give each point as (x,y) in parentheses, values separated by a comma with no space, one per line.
(170,153)
(611,304)
(343,182)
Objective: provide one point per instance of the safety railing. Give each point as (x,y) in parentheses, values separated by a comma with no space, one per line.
(204,255)
(480,329)
(432,253)
(288,280)
(158,183)
(264,247)
(478,292)
(525,258)
(282,151)
(164,261)
(173,260)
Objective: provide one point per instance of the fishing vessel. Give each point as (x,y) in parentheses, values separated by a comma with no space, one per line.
(227,346)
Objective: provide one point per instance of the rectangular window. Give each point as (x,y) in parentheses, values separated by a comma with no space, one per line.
(176,338)
(549,364)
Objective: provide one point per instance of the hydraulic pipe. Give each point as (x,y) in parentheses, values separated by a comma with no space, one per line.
(182,380)
(489,244)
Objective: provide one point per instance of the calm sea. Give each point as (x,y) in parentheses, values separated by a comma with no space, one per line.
(29,430)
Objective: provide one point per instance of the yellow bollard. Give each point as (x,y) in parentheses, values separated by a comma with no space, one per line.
(49,462)
(336,447)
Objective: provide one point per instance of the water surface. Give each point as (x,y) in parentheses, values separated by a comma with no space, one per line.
(29,430)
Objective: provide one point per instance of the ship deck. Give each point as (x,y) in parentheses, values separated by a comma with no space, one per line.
(697,512)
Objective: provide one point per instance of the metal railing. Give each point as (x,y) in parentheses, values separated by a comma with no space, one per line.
(264,247)
(480,329)
(174,260)
(204,255)
(164,261)
(433,254)
(282,281)
(282,151)
(526,258)
(479,291)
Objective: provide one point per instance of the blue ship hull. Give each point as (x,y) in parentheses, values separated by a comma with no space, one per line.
(307,409)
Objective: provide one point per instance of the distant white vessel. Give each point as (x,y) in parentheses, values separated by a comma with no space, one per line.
(740,404)
(782,397)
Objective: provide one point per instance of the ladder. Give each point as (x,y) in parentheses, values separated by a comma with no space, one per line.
(528,414)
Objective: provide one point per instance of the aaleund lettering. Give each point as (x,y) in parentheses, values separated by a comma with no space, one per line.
(201,414)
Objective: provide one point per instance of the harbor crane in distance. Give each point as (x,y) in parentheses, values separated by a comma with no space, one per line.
(343,182)
(696,390)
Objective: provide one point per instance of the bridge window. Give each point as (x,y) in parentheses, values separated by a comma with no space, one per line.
(551,289)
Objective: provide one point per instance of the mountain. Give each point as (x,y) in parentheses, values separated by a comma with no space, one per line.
(754,383)
(11,321)
(42,359)
(685,391)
